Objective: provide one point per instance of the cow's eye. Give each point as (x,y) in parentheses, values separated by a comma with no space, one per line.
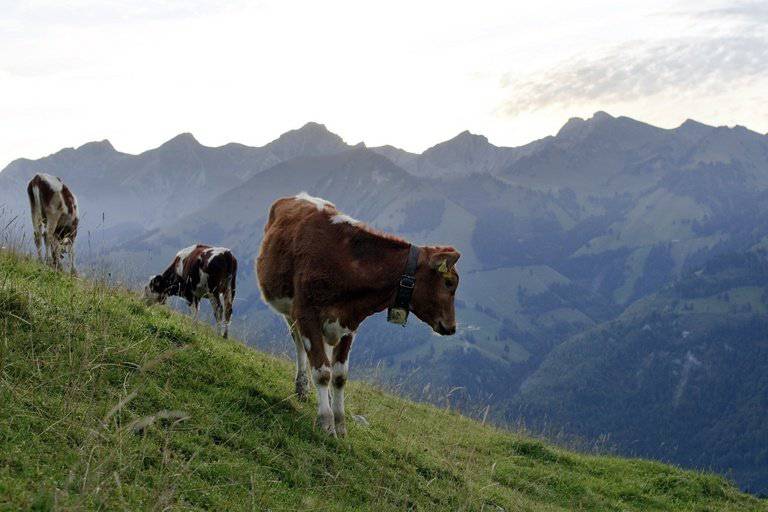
(448,283)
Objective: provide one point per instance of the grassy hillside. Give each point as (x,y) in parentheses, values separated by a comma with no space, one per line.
(107,404)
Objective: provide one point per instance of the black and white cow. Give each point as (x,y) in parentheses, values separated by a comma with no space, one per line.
(199,272)
(54,218)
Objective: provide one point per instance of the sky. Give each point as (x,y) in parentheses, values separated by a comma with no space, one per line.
(405,73)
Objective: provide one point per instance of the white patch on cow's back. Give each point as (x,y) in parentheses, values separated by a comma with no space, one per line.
(53,181)
(215,251)
(342,217)
(183,255)
(334,331)
(283,305)
(319,202)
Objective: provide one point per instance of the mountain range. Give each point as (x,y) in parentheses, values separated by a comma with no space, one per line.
(575,249)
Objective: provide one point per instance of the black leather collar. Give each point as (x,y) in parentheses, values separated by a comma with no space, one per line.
(398,312)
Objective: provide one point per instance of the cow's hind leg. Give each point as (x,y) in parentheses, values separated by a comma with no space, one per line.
(218,311)
(340,373)
(228,300)
(37,227)
(52,242)
(302,379)
(37,220)
(311,334)
(46,245)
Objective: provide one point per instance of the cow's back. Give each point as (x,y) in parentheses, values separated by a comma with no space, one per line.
(48,194)
(220,266)
(42,196)
(284,235)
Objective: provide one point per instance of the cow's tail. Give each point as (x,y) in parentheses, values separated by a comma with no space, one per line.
(233,279)
(274,211)
(35,204)
(272,215)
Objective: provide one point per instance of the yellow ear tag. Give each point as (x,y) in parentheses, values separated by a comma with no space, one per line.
(443,268)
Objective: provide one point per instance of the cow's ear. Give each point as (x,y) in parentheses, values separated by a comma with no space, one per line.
(443,259)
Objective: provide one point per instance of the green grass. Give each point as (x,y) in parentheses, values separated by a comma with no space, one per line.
(107,404)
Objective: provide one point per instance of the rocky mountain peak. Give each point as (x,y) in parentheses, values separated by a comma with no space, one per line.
(601,116)
(311,131)
(693,130)
(466,137)
(97,147)
(465,153)
(313,127)
(577,127)
(692,124)
(182,140)
(573,126)
(312,138)
(465,143)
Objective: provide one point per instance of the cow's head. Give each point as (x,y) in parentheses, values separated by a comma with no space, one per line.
(436,283)
(65,245)
(156,291)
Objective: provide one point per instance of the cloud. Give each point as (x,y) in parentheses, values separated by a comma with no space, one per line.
(635,70)
(726,48)
(747,12)
(99,12)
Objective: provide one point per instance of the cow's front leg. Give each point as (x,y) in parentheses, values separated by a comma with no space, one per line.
(312,339)
(340,373)
(194,308)
(72,269)
(52,249)
(52,242)
(55,251)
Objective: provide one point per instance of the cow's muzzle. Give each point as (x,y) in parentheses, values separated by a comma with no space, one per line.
(445,331)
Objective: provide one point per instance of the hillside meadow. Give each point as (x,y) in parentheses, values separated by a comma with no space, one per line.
(106,404)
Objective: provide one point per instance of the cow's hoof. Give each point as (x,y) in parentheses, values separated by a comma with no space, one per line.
(341,428)
(326,424)
(302,390)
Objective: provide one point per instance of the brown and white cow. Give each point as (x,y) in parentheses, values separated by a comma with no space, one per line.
(326,272)
(198,272)
(54,218)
